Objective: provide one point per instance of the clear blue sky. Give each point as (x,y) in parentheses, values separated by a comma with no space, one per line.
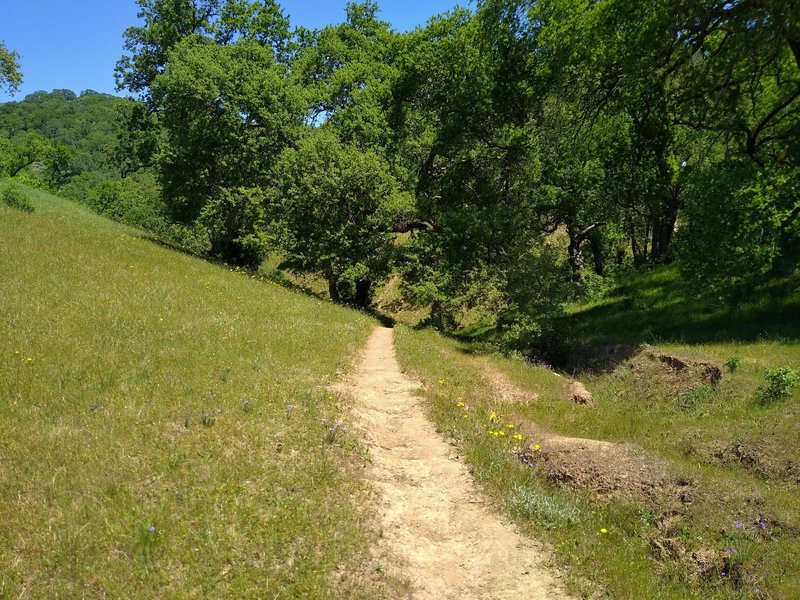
(75,44)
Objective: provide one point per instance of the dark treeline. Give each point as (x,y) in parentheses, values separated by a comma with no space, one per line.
(507,158)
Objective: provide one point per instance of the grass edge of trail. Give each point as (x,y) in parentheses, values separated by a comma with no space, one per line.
(603,546)
(165,423)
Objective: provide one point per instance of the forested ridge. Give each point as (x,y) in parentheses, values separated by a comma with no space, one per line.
(506,159)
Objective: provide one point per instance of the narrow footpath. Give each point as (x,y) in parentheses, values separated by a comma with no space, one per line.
(437,532)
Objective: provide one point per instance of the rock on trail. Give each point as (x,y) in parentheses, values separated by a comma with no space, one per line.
(436,530)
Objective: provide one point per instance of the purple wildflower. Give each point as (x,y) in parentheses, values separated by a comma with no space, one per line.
(762,524)
(738,524)
(152,529)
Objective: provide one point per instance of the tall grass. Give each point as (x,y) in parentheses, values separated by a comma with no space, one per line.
(164,423)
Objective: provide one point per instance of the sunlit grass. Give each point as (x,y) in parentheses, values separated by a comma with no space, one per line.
(621,561)
(161,423)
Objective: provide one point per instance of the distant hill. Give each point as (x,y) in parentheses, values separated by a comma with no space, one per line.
(84,124)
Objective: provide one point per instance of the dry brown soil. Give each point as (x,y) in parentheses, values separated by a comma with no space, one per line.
(436,529)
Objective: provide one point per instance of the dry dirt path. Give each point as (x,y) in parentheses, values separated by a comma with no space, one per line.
(443,537)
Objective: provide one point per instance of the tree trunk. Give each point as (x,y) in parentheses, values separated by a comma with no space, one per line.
(597,253)
(576,238)
(333,284)
(664,227)
(575,257)
(363,293)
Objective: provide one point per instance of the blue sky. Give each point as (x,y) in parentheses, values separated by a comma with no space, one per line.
(74,45)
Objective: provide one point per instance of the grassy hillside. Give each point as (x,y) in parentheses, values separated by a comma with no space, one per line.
(735,533)
(659,307)
(164,424)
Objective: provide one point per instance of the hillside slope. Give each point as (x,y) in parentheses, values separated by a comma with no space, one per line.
(164,424)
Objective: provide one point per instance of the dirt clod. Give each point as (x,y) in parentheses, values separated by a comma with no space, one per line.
(706,562)
(609,469)
(580,395)
(766,459)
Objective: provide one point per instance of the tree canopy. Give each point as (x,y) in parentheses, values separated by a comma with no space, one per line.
(507,158)
(10,74)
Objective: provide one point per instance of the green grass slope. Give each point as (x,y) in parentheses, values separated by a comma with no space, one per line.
(740,449)
(164,424)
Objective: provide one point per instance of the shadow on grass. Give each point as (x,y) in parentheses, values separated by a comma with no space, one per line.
(657,307)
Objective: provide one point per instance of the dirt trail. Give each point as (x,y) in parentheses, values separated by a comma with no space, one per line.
(434,523)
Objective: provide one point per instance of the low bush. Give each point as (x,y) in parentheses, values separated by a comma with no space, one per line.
(16,198)
(780,382)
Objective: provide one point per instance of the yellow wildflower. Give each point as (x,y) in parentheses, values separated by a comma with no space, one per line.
(510,426)
(493,416)
(537,447)
(603,530)
(441,382)
(460,405)
(501,432)
(518,436)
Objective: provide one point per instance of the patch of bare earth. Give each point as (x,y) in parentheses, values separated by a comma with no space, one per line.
(609,469)
(765,458)
(436,529)
(675,375)
(505,390)
(620,470)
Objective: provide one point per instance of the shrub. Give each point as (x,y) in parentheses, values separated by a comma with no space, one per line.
(16,198)
(234,220)
(733,363)
(780,382)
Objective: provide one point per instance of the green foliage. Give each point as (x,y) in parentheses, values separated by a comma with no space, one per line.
(10,76)
(82,127)
(741,221)
(227,112)
(167,23)
(235,223)
(531,135)
(14,197)
(336,208)
(780,381)
(733,364)
(134,200)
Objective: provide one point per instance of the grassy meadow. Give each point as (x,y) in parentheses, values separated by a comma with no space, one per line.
(165,429)
(741,452)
